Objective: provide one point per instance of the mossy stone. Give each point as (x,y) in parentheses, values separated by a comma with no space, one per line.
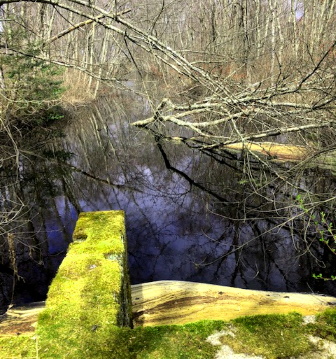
(90,294)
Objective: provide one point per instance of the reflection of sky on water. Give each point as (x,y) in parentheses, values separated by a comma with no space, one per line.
(166,226)
(60,225)
(172,230)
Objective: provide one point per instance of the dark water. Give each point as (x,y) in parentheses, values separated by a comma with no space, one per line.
(177,227)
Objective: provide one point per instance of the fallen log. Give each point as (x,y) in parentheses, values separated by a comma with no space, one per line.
(175,302)
(276,151)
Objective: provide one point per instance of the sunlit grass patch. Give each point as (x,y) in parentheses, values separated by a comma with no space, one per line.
(272,336)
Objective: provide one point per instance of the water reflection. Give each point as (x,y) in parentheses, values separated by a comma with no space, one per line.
(182,221)
(176,229)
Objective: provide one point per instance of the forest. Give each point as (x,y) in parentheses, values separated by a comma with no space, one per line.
(232,102)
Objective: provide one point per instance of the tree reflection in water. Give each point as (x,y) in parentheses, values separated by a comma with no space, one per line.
(182,208)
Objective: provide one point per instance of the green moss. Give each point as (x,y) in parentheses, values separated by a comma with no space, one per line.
(174,341)
(82,318)
(273,336)
(163,342)
(22,346)
(100,233)
(328,317)
(325,325)
(86,298)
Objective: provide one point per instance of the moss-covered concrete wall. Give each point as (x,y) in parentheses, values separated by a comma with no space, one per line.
(89,299)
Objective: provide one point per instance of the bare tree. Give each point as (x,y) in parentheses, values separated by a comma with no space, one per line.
(260,76)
